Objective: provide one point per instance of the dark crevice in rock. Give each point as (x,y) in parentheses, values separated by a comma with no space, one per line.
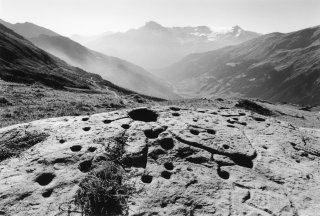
(231,126)
(175,108)
(62,141)
(246,197)
(85,119)
(239,159)
(242,123)
(23,196)
(254,107)
(63,160)
(107,121)
(184,152)
(193,181)
(143,114)
(92,149)
(231,121)
(258,119)
(176,114)
(197,145)
(197,160)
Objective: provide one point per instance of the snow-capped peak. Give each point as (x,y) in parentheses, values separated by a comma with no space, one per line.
(153,26)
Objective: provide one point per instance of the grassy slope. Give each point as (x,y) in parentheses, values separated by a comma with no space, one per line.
(24,103)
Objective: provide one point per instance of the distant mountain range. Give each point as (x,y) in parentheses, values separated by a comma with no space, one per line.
(276,67)
(155,46)
(118,71)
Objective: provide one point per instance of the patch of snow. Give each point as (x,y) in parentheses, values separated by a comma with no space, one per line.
(232,64)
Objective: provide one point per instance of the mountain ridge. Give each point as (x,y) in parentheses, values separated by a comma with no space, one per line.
(269,67)
(116,70)
(153,45)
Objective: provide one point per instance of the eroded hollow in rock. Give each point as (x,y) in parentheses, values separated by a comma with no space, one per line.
(45,178)
(225,146)
(223,174)
(143,114)
(242,160)
(146,178)
(92,149)
(85,166)
(211,131)
(166,143)
(107,121)
(194,131)
(151,134)
(258,119)
(175,114)
(230,121)
(168,165)
(137,160)
(86,128)
(185,152)
(125,126)
(47,193)
(76,148)
(156,153)
(166,174)
(62,141)
(85,119)
(175,108)
(197,160)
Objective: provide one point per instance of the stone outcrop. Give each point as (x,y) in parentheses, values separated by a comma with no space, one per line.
(181,162)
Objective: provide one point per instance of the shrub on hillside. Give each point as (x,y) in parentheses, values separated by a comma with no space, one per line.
(103,192)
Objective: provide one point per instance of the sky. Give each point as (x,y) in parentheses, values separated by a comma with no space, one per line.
(90,17)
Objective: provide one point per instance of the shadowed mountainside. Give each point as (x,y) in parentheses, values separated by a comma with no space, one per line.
(116,70)
(35,84)
(21,61)
(28,30)
(276,67)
